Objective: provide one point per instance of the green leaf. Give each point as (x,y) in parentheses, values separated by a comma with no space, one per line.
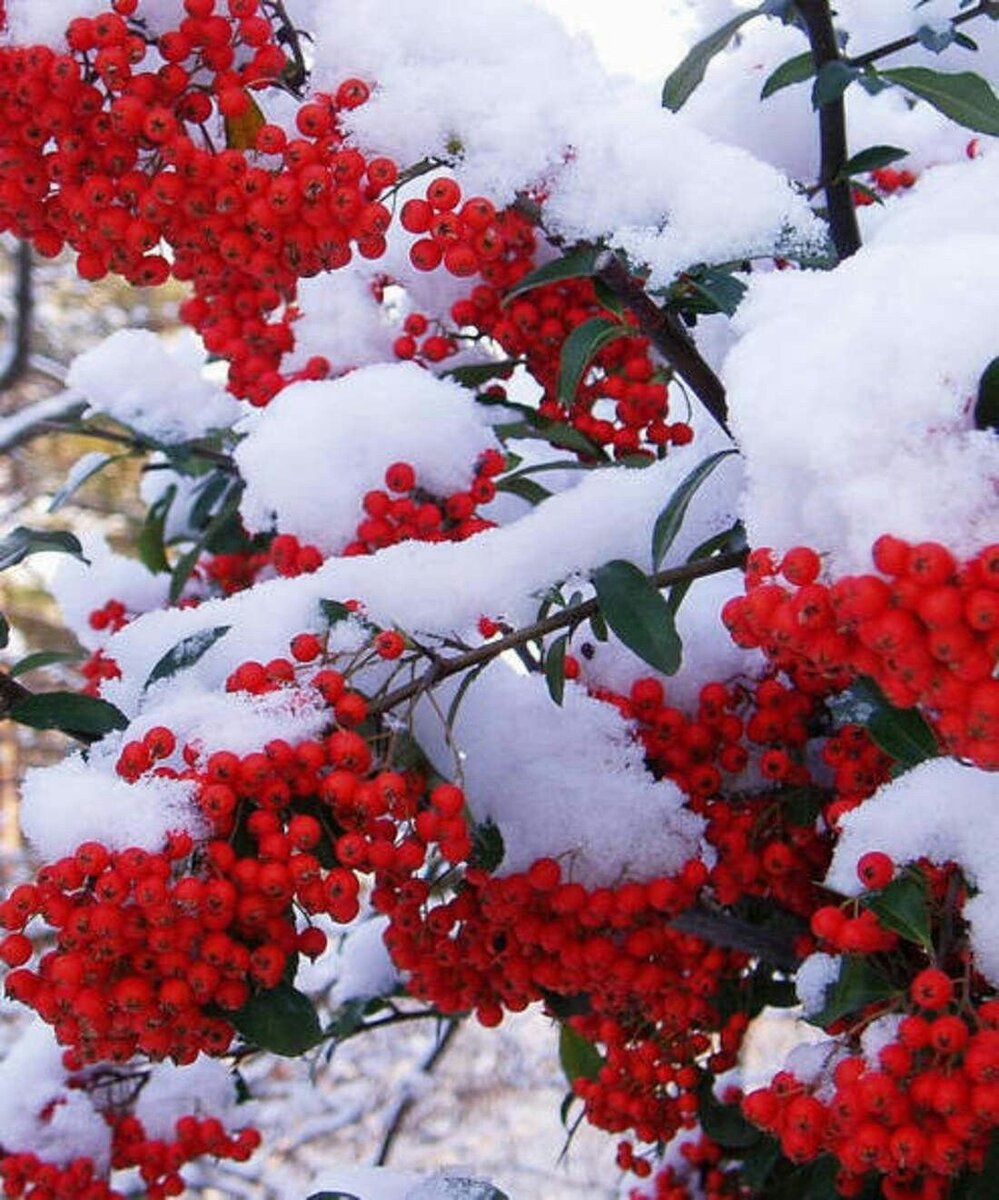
(724,1123)
(986,414)
(21,542)
(576,265)
(487,846)
(670,520)
(43,658)
(904,734)
(982,1185)
(719,287)
(555,668)
(282,1020)
(69,712)
(186,564)
(150,544)
(4,631)
(635,609)
(831,82)
(334,612)
(872,159)
(526,489)
(794,70)
(87,467)
(580,1059)
(580,348)
(730,539)
(186,653)
(555,433)
(903,906)
(475,374)
(963,96)
(209,492)
(332,1196)
(759,1161)
(681,83)
(861,982)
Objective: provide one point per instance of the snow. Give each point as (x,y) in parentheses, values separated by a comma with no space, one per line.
(943,811)
(153,386)
(73,802)
(851,391)
(378,1183)
(299,479)
(563,782)
(204,1088)
(814,975)
(363,968)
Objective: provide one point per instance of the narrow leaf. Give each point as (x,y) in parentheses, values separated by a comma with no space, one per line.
(69,712)
(904,734)
(580,1059)
(963,96)
(282,1020)
(682,82)
(241,131)
(794,70)
(986,414)
(186,653)
(43,658)
(150,543)
(580,348)
(332,1196)
(670,520)
(576,265)
(728,540)
(21,542)
(475,374)
(636,611)
(861,982)
(4,631)
(526,489)
(872,159)
(487,846)
(334,612)
(904,907)
(555,668)
(86,468)
(724,1123)
(185,565)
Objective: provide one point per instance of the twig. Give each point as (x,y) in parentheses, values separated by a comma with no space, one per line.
(443,668)
(24,305)
(832,132)
(988,8)
(667,334)
(406,1103)
(720,929)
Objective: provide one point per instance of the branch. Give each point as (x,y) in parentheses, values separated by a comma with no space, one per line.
(24,304)
(406,1103)
(37,419)
(443,668)
(732,933)
(988,8)
(832,132)
(667,334)
(294,76)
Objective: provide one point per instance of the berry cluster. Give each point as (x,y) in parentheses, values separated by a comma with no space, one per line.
(928,634)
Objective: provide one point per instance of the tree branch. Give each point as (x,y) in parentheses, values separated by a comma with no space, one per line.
(832,132)
(406,1103)
(24,305)
(988,8)
(732,933)
(666,332)
(443,668)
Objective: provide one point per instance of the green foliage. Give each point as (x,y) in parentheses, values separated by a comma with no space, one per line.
(636,611)
(575,265)
(670,520)
(186,653)
(681,83)
(579,1058)
(282,1020)
(581,347)
(963,96)
(69,712)
(21,542)
(986,414)
(794,70)
(903,906)
(861,982)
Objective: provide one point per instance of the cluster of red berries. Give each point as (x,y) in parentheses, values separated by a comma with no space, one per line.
(700,1176)
(405,511)
(110,158)
(434,347)
(928,634)
(885,181)
(158,1162)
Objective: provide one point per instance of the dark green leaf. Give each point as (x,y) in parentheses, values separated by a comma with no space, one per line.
(347,1020)
(724,1123)
(963,96)
(580,1059)
(566,1107)
(579,350)
(150,544)
(831,82)
(759,1160)
(69,712)
(986,413)
(904,734)
(4,631)
(861,982)
(186,653)
(794,70)
(681,84)
(872,159)
(903,906)
(598,627)
(728,540)
(635,609)
(935,40)
(475,374)
(487,846)
(555,433)
(555,668)
(452,712)
(722,291)
(209,492)
(43,658)
(982,1186)
(526,489)
(332,1196)
(334,611)
(282,1020)
(79,476)
(21,542)
(576,265)
(670,520)
(212,539)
